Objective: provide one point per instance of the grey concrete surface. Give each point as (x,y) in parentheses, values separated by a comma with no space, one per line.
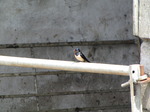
(144,21)
(14,85)
(74,84)
(144,34)
(145,56)
(79,82)
(42,21)
(121,54)
(82,101)
(18,104)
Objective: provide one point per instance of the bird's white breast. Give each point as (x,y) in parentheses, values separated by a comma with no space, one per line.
(78,57)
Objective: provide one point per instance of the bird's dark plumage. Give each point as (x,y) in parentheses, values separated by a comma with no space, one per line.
(80,56)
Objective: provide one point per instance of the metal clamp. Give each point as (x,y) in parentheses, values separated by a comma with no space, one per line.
(142,78)
(137,76)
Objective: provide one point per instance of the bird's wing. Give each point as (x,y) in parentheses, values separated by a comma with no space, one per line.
(82,55)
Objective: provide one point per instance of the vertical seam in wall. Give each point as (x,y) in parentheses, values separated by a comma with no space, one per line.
(35,81)
(139,45)
(138,15)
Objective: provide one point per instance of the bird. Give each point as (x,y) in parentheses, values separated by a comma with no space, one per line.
(80,56)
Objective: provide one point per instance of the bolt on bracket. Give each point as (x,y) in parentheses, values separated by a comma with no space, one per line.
(136,73)
(140,78)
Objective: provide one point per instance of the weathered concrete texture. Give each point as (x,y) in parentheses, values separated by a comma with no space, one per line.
(146,97)
(67,83)
(35,21)
(38,21)
(79,82)
(112,54)
(17,85)
(18,104)
(144,34)
(124,54)
(82,101)
(144,21)
(111,110)
(145,56)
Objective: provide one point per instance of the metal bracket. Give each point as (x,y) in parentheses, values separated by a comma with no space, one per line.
(141,78)
(136,100)
(136,73)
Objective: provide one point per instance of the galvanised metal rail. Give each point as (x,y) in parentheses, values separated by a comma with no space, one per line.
(65,65)
(134,71)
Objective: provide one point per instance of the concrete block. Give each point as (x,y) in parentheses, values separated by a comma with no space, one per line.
(146,97)
(64,20)
(18,104)
(79,82)
(145,56)
(81,101)
(112,110)
(144,21)
(17,85)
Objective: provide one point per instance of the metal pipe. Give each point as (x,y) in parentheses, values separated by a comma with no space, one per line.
(65,65)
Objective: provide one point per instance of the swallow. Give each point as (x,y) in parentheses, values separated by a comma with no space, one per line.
(80,56)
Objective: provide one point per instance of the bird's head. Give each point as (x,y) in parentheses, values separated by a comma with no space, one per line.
(76,50)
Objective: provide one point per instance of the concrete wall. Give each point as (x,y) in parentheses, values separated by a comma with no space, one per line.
(143,32)
(145,56)
(30,28)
